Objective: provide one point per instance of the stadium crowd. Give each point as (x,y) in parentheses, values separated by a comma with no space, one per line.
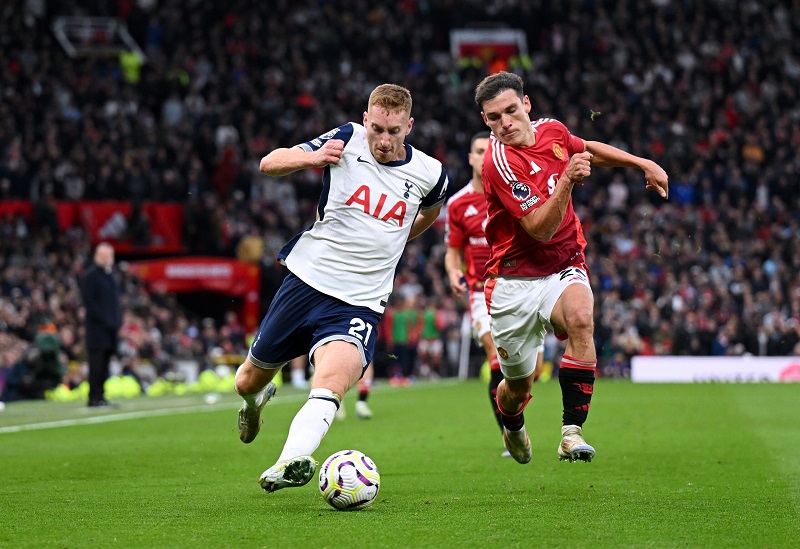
(709,89)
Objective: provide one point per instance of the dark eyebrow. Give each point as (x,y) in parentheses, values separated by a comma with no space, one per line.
(509,108)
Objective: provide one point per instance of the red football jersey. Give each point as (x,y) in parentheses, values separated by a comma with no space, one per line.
(464,223)
(516,181)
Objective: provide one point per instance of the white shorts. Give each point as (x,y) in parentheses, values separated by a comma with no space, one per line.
(433,347)
(481,321)
(520,310)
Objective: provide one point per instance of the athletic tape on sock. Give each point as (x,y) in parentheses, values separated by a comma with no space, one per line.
(326,394)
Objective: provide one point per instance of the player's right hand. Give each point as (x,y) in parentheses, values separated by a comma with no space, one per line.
(329,153)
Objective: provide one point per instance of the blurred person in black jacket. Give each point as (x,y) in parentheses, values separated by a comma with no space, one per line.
(100,290)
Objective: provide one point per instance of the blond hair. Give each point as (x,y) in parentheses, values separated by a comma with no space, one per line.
(391,97)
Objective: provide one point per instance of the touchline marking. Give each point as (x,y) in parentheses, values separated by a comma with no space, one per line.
(105,419)
(124,416)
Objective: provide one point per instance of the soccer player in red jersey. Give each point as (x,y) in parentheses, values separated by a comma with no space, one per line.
(536,273)
(466,257)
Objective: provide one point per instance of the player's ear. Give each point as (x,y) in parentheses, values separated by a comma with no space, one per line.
(365,118)
(484,118)
(526,103)
(410,124)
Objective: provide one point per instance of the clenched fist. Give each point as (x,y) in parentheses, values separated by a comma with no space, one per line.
(329,153)
(580,166)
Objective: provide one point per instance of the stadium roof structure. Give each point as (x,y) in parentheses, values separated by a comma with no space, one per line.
(99,36)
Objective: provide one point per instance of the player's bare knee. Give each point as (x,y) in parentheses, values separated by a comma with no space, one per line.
(518,390)
(580,323)
(250,379)
(242,381)
(519,396)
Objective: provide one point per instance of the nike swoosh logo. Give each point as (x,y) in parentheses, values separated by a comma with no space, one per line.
(362,160)
(326,422)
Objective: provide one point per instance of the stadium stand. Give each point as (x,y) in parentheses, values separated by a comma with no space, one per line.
(708,89)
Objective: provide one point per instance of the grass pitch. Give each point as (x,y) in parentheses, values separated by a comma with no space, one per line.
(711,465)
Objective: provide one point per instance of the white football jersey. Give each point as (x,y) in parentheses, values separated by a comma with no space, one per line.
(364,216)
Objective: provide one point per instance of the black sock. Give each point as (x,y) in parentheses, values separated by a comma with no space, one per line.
(497,377)
(516,421)
(513,423)
(577,386)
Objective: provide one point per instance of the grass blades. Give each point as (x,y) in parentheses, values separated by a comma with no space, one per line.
(704,465)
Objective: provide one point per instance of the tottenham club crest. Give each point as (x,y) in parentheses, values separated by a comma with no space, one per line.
(520,190)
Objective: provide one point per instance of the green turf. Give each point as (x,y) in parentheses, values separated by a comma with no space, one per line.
(712,465)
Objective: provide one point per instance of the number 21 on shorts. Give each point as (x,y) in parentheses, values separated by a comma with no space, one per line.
(357,328)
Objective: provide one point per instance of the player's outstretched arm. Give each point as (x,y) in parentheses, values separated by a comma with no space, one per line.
(607,155)
(288,160)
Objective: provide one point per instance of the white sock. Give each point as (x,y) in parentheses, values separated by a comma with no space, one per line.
(255,400)
(310,424)
(298,376)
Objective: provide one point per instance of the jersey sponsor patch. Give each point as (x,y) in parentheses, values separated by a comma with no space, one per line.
(378,210)
(478,241)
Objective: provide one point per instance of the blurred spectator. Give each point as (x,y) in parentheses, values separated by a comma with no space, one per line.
(431,344)
(38,370)
(405,326)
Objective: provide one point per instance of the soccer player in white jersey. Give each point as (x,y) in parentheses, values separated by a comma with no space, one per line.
(378,192)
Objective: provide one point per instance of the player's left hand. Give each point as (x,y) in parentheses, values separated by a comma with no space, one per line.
(657,179)
(458,284)
(579,167)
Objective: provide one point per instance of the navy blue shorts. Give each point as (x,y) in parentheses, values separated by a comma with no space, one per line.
(300,319)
